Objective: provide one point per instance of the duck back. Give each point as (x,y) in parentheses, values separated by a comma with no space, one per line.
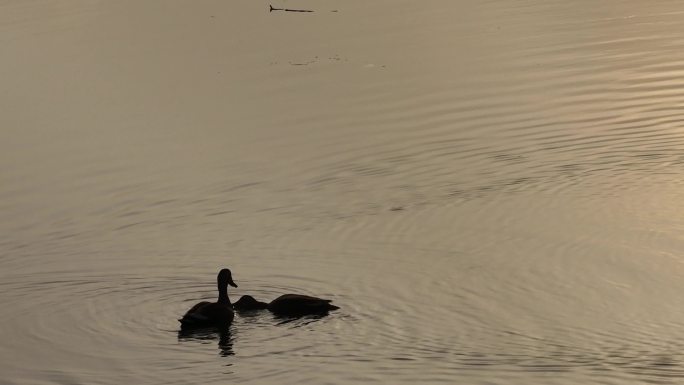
(297,304)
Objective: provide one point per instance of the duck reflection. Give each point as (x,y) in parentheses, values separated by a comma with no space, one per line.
(298,320)
(206,335)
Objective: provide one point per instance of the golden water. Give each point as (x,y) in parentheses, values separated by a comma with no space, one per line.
(490,191)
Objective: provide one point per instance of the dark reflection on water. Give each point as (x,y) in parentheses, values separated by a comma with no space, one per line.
(280,319)
(224,337)
(299,321)
(221,335)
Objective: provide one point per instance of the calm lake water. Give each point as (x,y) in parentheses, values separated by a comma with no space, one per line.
(490,190)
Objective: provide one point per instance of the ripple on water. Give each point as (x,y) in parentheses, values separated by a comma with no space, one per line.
(487,209)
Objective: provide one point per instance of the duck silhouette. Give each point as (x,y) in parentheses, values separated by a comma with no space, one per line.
(287,305)
(219,313)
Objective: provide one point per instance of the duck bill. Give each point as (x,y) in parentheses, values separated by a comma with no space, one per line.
(231,283)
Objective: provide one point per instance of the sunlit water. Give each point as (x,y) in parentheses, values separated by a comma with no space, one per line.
(490,191)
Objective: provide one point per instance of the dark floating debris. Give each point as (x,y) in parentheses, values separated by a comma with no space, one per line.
(272,8)
(306,63)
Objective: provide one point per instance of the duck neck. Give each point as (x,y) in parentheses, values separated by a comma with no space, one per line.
(223,293)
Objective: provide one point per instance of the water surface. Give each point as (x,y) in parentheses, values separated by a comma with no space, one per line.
(490,191)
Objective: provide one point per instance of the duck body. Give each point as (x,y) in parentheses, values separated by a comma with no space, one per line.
(288,305)
(219,313)
(296,304)
(207,314)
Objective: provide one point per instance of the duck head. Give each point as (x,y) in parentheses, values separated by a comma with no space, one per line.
(247,302)
(225,278)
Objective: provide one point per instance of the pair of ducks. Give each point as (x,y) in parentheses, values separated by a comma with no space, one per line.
(221,312)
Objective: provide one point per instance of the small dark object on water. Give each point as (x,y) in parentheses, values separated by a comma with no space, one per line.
(287,9)
(397,208)
(287,304)
(217,313)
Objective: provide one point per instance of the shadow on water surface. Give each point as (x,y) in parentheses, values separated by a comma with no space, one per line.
(225,337)
(294,320)
(298,320)
(209,334)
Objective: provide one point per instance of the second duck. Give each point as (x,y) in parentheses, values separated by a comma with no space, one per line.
(287,304)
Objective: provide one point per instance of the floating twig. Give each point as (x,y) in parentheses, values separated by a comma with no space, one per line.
(288,9)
